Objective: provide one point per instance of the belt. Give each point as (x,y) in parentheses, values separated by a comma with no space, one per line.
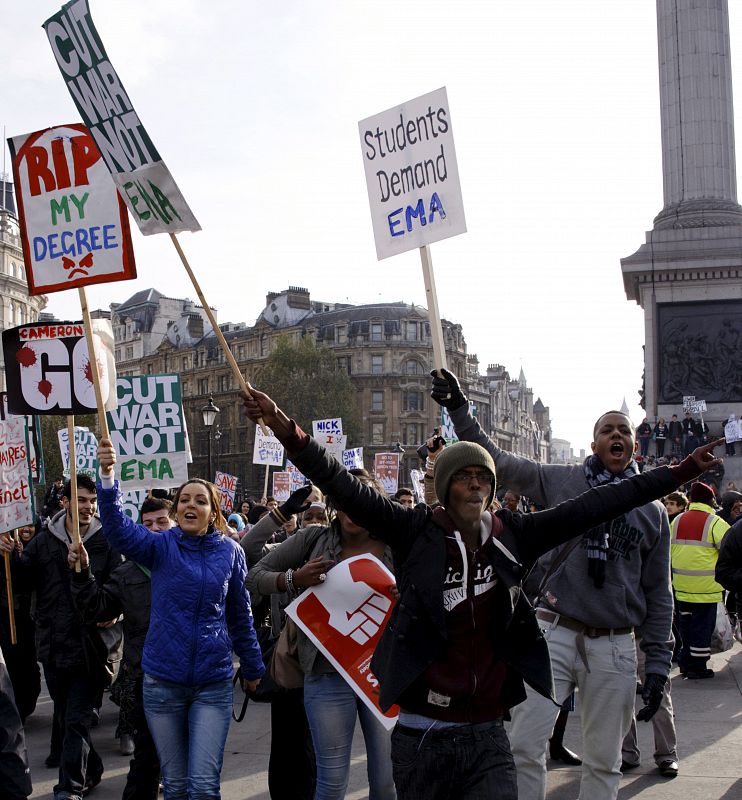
(470,732)
(575,625)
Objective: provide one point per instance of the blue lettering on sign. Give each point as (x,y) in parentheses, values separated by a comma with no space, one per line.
(75,243)
(416,212)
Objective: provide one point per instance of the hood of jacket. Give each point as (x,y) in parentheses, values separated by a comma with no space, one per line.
(58,529)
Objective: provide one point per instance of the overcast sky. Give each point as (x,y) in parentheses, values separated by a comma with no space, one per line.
(254,107)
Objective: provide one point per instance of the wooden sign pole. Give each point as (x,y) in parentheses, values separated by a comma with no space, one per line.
(243,384)
(434,316)
(102,421)
(9,594)
(265,482)
(73,483)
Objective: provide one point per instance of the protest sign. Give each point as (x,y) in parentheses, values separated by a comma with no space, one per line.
(16,495)
(227,486)
(322,428)
(412,175)
(74,226)
(697,407)
(344,617)
(687,400)
(268,450)
(386,469)
(145,183)
(148,433)
(353,459)
(86,452)
(132,501)
(417,476)
(281,486)
(35,450)
(48,369)
(733,430)
(296,478)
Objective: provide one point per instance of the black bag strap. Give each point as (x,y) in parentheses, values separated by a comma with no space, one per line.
(239,717)
(555,564)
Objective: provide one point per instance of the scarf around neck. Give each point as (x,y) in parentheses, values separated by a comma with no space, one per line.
(596,539)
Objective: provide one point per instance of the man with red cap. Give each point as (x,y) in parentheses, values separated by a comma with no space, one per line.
(696,536)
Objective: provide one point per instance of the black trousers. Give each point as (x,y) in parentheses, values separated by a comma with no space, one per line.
(15,781)
(292,771)
(143,780)
(74,694)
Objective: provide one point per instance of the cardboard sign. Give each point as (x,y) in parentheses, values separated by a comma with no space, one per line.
(327,427)
(148,433)
(353,459)
(297,478)
(227,486)
(35,449)
(86,452)
(345,617)
(145,183)
(386,469)
(697,407)
(412,176)
(281,486)
(132,501)
(74,226)
(687,400)
(733,431)
(16,495)
(417,476)
(267,450)
(48,369)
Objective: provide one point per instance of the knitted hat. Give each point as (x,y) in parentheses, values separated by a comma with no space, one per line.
(702,493)
(456,457)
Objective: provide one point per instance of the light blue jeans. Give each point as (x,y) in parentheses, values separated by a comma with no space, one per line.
(332,709)
(189,725)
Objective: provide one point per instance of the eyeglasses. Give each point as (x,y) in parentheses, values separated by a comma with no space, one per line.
(480,476)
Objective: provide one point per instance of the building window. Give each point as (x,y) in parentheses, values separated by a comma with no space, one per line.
(377,364)
(185,388)
(263,345)
(412,367)
(344,363)
(377,332)
(411,330)
(224,382)
(203,385)
(412,400)
(377,401)
(341,334)
(117,354)
(377,433)
(241,352)
(412,433)
(185,363)
(129,353)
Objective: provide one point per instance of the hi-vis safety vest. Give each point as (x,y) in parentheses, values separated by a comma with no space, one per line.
(696,536)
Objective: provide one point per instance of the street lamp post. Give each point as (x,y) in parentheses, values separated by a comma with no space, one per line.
(209,412)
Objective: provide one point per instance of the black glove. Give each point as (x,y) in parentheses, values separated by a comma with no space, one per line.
(296,503)
(652,691)
(446,390)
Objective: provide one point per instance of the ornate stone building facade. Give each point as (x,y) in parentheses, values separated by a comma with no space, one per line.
(385,349)
(16,305)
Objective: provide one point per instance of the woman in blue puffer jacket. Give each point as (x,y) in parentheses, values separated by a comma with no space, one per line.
(200,614)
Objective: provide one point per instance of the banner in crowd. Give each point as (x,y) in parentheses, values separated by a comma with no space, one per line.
(733,430)
(143,180)
(74,226)
(16,493)
(48,369)
(329,433)
(281,486)
(132,502)
(412,176)
(386,469)
(344,617)
(35,449)
(268,450)
(353,459)
(227,486)
(86,452)
(297,479)
(148,432)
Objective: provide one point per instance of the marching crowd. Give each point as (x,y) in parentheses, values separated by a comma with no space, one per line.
(500,615)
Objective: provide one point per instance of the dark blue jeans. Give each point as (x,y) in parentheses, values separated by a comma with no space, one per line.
(473,762)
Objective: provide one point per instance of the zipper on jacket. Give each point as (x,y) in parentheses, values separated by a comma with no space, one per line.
(196,616)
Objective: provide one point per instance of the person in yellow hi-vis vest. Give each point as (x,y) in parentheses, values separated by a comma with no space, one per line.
(695,538)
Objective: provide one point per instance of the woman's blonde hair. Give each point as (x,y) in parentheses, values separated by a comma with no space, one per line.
(219,524)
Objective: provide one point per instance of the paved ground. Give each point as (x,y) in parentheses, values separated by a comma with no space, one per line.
(708,718)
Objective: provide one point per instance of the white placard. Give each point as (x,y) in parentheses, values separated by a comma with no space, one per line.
(268,450)
(412,175)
